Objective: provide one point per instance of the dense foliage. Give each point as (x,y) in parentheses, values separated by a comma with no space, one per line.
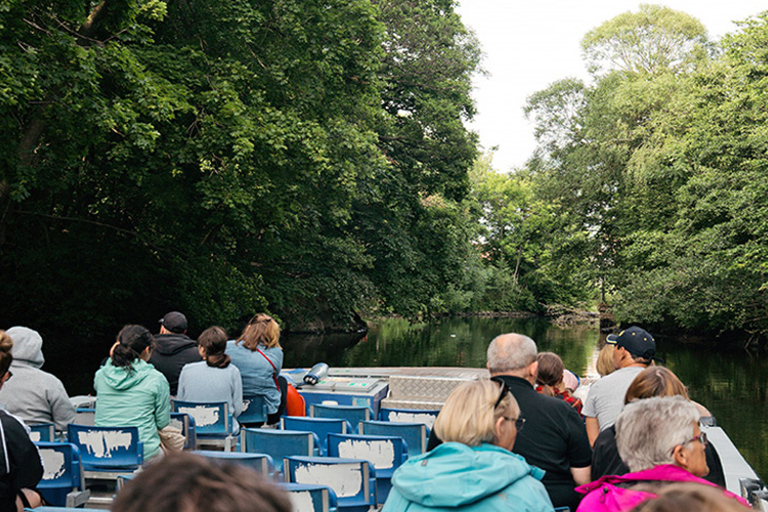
(305,157)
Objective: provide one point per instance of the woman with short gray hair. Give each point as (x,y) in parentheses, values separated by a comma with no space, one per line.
(660,440)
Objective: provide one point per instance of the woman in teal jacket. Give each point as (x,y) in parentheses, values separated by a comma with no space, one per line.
(473,470)
(130,392)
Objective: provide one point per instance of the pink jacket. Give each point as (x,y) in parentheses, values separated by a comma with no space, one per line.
(604,495)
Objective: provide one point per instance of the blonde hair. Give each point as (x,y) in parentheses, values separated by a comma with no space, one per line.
(261,330)
(468,416)
(605,364)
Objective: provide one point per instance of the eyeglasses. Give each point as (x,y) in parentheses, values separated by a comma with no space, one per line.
(504,390)
(519,422)
(702,438)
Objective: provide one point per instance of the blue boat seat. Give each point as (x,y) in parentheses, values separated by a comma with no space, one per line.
(63,482)
(414,434)
(85,416)
(45,432)
(424,416)
(254,410)
(354,414)
(278,444)
(311,498)
(107,452)
(213,423)
(262,463)
(320,426)
(186,424)
(353,480)
(386,453)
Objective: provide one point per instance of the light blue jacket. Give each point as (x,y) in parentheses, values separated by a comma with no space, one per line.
(139,398)
(455,477)
(258,374)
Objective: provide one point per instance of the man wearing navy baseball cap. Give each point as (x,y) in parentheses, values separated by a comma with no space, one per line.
(635,349)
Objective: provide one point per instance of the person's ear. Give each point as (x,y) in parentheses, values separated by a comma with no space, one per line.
(680,456)
(533,368)
(112,348)
(497,427)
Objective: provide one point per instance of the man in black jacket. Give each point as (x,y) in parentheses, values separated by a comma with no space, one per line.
(173,348)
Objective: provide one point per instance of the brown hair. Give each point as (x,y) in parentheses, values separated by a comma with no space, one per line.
(690,497)
(214,341)
(183,482)
(550,373)
(6,358)
(655,381)
(605,364)
(261,330)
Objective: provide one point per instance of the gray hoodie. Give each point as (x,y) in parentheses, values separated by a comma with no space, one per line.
(32,394)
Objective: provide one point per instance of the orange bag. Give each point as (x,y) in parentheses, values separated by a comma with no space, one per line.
(295,405)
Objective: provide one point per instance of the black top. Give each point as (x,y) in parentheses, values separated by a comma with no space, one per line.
(554,439)
(20,465)
(170,355)
(606,459)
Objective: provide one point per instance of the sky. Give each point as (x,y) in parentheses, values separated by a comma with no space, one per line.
(528,44)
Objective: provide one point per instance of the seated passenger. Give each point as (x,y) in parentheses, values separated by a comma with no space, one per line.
(20,465)
(173,348)
(660,441)
(130,392)
(183,482)
(214,379)
(605,364)
(33,395)
(550,379)
(259,357)
(473,469)
(653,381)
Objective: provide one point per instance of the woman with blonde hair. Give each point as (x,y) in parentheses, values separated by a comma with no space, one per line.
(605,364)
(473,469)
(259,357)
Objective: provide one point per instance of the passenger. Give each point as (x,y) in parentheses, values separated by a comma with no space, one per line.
(213,379)
(554,438)
(605,364)
(259,357)
(173,349)
(653,381)
(634,351)
(20,465)
(473,470)
(130,392)
(33,395)
(660,440)
(690,498)
(550,379)
(183,482)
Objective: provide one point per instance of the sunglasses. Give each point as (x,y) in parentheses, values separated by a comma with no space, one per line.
(519,421)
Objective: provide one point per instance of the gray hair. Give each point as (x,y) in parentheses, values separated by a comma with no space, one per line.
(508,352)
(648,430)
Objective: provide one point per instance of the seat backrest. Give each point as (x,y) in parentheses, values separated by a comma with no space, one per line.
(311,498)
(211,418)
(353,481)
(354,414)
(415,434)
(386,453)
(320,426)
(42,432)
(426,417)
(85,416)
(186,424)
(254,409)
(259,462)
(278,444)
(107,447)
(62,471)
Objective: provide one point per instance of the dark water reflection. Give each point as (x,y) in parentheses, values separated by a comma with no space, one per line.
(732,384)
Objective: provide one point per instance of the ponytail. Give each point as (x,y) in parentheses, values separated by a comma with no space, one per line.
(214,341)
(131,342)
(550,372)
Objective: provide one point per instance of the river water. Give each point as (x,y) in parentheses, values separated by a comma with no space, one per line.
(732,384)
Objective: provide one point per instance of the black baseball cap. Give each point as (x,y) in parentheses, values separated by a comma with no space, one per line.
(635,340)
(174,322)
